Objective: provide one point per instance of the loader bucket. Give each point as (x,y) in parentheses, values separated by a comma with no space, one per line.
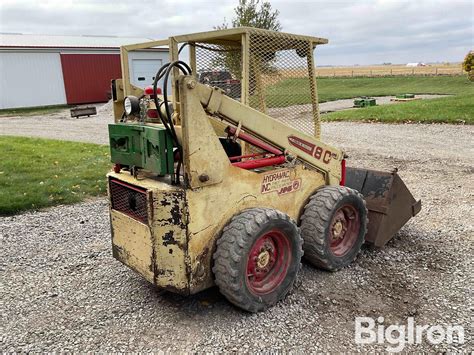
(389,202)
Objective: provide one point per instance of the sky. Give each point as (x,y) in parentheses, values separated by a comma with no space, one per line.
(359,31)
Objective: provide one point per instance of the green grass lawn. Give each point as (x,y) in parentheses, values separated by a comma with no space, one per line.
(295,91)
(345,88)
(32,111)
(454,109)
(36,173)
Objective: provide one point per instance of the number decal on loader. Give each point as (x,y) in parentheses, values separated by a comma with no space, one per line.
(312,149)
(280,182)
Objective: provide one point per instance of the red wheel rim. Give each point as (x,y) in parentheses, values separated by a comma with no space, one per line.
(344,230)
(268,262)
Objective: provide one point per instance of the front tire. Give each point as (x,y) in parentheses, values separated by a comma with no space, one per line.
(333,227)
(257,258)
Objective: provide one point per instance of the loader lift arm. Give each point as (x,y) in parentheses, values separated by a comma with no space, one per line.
(389,201)
(294,143)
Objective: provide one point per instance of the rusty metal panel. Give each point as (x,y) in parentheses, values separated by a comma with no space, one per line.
(156,246)
(169,236)
(87,77)
(389,202)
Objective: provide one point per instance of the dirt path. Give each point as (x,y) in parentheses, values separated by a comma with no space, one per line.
(63,291)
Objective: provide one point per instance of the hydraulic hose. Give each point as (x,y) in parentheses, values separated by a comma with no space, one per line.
(182,47)
(168,122)
(179,64)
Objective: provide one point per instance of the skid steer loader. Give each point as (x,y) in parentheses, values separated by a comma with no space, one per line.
(212,187)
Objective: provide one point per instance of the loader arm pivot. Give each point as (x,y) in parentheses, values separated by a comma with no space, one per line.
(308,149)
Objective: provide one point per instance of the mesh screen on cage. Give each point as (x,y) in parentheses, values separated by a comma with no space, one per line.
(278,77)
(279,83)
(220,66)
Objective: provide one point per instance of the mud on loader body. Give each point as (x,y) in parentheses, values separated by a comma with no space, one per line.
(212,187)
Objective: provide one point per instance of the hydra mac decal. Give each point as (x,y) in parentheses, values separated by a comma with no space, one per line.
(280,182)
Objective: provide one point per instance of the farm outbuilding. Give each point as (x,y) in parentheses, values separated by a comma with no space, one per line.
(417,64)
(40,70)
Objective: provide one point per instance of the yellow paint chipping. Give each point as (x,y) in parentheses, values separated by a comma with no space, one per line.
(174,250)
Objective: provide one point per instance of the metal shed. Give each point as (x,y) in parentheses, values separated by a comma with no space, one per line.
(41,70)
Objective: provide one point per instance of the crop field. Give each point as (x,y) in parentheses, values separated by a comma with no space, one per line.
(387,70)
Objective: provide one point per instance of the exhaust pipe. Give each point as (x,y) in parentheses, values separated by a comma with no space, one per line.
(389,202)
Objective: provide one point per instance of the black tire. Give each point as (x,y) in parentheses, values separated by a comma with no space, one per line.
(237,269)
(326,246)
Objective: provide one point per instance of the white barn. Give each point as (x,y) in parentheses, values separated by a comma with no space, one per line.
(42,70)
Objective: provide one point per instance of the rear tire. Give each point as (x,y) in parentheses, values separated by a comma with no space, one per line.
(333,227)
(257,258)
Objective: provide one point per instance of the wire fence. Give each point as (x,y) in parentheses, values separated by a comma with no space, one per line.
(452,70)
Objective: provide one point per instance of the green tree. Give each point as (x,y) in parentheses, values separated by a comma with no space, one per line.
(468,65)
(253,13)
(248,13)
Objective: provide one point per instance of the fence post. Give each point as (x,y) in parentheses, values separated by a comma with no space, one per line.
(391,71)
(413,71)
(436,72)
(352,73)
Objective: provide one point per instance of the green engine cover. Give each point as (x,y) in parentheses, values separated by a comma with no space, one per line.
(365,101)
(141,146)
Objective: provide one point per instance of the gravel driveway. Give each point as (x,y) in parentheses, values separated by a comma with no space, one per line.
(60,125)
(93,129)
(61,290)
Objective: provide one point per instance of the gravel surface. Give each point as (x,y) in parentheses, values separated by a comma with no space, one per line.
(61,289)
(61,125)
